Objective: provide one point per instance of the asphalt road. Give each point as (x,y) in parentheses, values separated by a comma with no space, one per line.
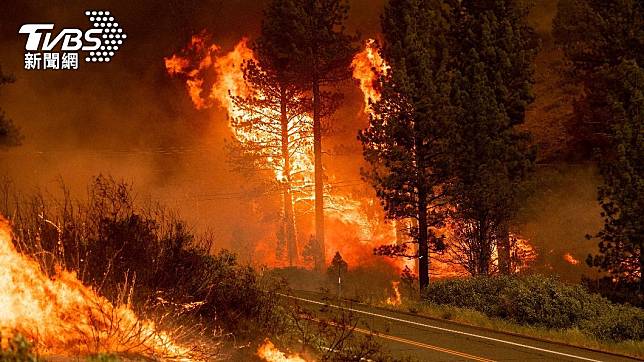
(428,339)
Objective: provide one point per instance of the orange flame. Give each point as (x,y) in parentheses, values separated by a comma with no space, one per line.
(270,353)
(397,298)
(61,315)
(570,259)
(367,66)
(199,62)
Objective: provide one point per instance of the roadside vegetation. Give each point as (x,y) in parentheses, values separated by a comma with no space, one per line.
(534,306)
(142,255)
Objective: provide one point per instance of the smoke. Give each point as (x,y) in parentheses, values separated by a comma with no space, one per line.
(559,215)
(125,118)
(129,119)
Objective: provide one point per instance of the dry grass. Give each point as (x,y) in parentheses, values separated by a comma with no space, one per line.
(571,336)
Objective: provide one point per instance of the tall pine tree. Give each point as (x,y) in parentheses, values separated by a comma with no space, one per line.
(276,112)
(407,140)
(621,163)
(604,43)
(596,35)
(492,159)
(314,38)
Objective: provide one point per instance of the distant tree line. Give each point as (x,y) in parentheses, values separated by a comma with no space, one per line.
(443,143)
(603,42)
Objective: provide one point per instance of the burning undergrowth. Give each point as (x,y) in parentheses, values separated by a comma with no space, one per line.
(107,274)
(62,316)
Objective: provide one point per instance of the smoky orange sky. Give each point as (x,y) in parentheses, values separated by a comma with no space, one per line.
(129,119)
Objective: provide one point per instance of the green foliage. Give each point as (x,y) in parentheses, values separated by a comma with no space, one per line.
(622,167)
(407,138)
(604,41)
(621,291)
(616,323)
(18,350)
(492,158)
(597,33)
(543,302)
(309,39)
(597,36)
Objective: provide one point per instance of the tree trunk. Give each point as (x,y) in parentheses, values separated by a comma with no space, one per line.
(423,243)
(320,261)
(289,218)
(289,225)
(641,285)
(484,244)
(503,249)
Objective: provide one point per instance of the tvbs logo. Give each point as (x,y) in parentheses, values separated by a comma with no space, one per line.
(45,49)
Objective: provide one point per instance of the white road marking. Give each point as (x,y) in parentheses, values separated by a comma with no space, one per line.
(444,329)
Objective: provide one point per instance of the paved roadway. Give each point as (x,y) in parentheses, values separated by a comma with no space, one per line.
(427,339)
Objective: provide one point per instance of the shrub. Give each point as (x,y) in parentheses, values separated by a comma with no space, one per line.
(145,254)
(620,291)
(541,301)
(17,349)
(618,323)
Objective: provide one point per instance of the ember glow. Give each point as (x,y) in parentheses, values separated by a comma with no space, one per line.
(268,352)
(570,259)
(396,299)
(62,316)
(355,224)
(359,219)
(367,66)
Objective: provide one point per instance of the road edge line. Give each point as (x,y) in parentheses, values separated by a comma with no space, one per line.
(444,329)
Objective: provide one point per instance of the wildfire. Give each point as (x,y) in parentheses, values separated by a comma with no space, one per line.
(270,353)
(367,66)
(214,77)
(397,298)
(200,62)
(63,316)
(570,259)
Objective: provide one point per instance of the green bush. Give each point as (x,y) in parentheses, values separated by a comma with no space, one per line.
(541,301)
(103,357)
(143,253)
(18,350)
(618,323)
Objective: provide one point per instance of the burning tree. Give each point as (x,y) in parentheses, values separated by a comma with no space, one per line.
(406,141)
(214,78)
(274,111)
(312,37)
